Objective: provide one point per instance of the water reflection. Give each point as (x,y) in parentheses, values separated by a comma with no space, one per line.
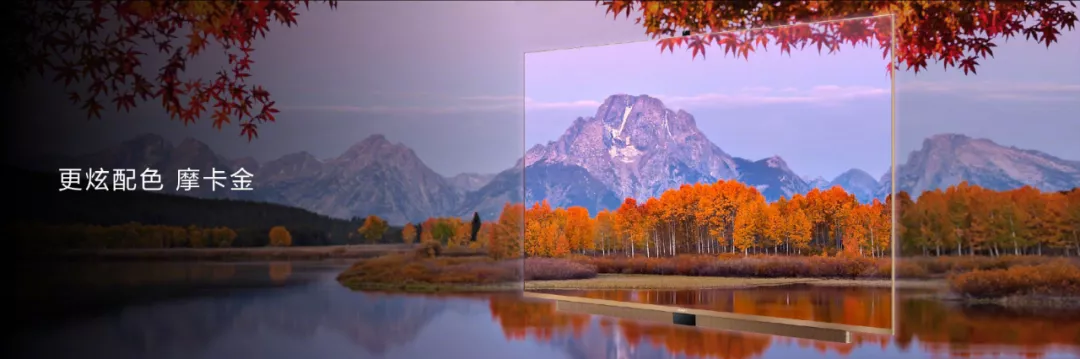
(869,307)
(312,316)
(927,328)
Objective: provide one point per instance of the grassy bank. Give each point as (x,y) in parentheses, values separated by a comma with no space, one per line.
(234,254)
(862,268)
(429,268)
(1008,280)
(1055,283)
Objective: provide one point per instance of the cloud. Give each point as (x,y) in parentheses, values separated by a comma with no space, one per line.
(450,105)
(756,96)
(995,91)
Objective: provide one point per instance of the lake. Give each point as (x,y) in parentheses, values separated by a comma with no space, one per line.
(297,310)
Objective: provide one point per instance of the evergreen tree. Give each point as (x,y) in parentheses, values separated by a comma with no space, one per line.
(475,226)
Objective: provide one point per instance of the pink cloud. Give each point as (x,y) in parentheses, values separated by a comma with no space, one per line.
(995,91)
(757,96)
(468,104)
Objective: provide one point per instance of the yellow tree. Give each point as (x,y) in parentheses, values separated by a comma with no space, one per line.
(558,244)
(1071,222)
(1053,232)
(718,206)
(408,233)
(651,214)
(579,229)
(483,236)
(800,230)
(748,226)
(605,231)
(462,232)
(773,230)
(536,219)
(506,240)
(1016,223)
(373,229)
(280,237)
(881,223)
(426,228)
(627,225)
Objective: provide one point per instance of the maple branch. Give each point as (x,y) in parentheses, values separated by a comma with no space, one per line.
(954,33)
(93,47)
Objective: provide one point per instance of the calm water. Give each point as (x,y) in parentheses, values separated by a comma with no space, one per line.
(297,310)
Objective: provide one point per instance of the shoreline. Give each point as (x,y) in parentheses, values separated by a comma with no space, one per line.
(675,282)
(636,282)
(644,282)
(355,251)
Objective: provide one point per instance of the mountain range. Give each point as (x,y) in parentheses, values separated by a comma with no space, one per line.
(633,146)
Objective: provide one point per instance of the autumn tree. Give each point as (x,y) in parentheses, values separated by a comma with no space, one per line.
(749,226)
(441,230)
(1071,219)
(221,237)
(799,231)
(484,235)
(605,231)
(462,232)
(280,237)
(505,240)
(408,233)
(196,237)
(98,50)
(580,229)
(963,219)
(628,225)
(953,33)
(373,229)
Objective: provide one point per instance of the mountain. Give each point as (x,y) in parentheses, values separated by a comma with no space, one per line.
(469,182)
(816,182)
(947,159)
(374,176)
(632,146)
(638,148)
(772,177)
(858,183)
(561,185)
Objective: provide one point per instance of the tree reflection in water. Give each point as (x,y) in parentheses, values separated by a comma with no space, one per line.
(869,307)
(939,328)
(380,324)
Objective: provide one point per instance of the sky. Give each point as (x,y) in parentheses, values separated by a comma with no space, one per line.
(447,80)
(822,114)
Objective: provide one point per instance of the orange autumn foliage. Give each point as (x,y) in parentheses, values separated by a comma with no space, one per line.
(728,217)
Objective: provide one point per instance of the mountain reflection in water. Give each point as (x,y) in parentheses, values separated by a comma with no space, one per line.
(293,310)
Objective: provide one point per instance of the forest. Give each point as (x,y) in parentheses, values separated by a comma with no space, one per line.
(723,218)
(139,219)
(728,217)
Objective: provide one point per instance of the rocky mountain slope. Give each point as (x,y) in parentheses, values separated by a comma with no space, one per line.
(633,146)
(858,183)
(948,159)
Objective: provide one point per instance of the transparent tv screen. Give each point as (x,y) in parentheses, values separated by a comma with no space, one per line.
(747,192)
